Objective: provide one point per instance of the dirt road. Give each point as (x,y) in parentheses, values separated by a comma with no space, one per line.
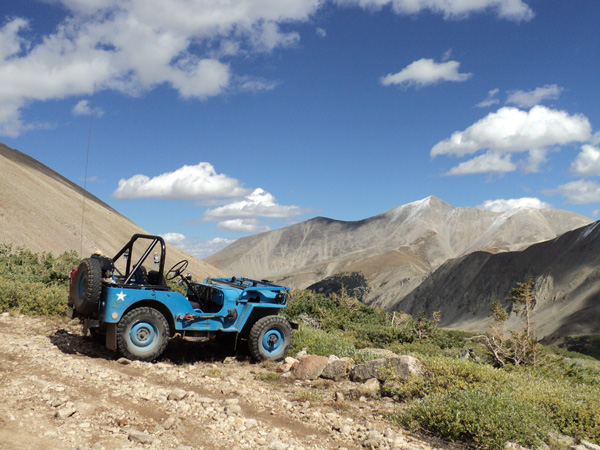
(62,390)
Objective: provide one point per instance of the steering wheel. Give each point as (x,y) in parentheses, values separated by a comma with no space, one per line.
(177,269)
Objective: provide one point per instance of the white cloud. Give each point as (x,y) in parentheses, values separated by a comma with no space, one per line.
(516,10)
(510,130)
(175,239)
(83,108)
(527,99)
(259,203)
(587,162)
(198,249)
(503,205)
(513,130)
(579,192)
(243,226)
(186,183)
(426,72)
(133,46)
(321,32)
(490,100)
(488,162)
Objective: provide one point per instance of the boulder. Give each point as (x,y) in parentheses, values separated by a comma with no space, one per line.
(337,368)
(310,367)
(402,367)
(370,387)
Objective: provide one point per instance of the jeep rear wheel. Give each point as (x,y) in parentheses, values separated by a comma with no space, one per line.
(270,338)
(142,334)
(88,286)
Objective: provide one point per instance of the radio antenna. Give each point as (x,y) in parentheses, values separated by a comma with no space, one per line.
(87,160)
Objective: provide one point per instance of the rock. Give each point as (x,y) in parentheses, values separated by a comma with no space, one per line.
(65,412)
(337,368)
(169,423)
(233,409)
(277,445)
(177,394)
(302,354)
(402,367)
(138,436)
(560,440)
(589,445)
(124,361)
(310,367)
(339,397)
(514,446)
(287,364)
(370,387)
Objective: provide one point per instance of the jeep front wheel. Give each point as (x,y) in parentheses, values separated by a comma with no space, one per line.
(270,338)
(142,334)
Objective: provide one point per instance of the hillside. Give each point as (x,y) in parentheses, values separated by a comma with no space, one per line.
(566,271)
(42,210)
(395,251)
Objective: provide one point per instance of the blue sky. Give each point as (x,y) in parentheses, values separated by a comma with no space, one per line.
(212,120)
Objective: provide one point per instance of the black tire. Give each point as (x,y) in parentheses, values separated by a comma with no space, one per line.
(142,334)
(87,286)
(270,338)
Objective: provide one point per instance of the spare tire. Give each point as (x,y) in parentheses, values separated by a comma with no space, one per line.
(87,286)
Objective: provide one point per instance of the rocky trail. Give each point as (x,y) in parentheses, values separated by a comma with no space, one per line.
(62,390)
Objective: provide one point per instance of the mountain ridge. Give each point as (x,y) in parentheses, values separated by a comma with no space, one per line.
(566,275)
(43,211)
(394,250)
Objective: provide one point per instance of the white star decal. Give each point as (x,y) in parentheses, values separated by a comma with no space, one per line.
(121,296)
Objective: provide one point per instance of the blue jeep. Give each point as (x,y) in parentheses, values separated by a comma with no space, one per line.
(126,302)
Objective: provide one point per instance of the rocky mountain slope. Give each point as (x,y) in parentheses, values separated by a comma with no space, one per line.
(41,210)
(395,251)
(566,274)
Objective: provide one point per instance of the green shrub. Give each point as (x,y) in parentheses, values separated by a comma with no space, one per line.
(485,418)
(320,342)
(34,284)
(571,405)
(454,393)
(444,375)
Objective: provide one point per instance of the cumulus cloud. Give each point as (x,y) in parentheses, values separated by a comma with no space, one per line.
(489,162)
(511,130)
(133,46)
(579,191)
(198,249)
(527,99)
(243,226)
(503,205)
(587,162)
(426,72)
(83,108)
(515,10)
(259,203)
(197,182)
